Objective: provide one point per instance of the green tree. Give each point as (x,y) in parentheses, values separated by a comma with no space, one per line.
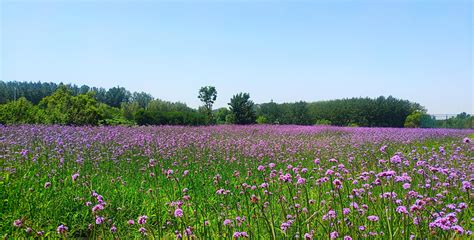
(57,106)
(220,115)
(142,98)
(414,120)
(84,110)
(208,96)
(129,110)
(116,96)
(271,111)
(64,108)
(242,109)
(20,111)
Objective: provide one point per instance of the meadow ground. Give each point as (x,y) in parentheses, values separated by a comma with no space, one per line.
(236,182)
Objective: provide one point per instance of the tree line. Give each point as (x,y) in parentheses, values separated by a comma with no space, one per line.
(51,103)
(367,112)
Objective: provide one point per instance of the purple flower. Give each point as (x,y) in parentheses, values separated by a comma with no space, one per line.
(466,185)
(75,176)
(373,218)
(337,183)
(178,234)
(396,159)
(142,230)
(131,222)
(346,211)
(113,229)
(142,219)
(334,235)
(61,229)
(301,181)
(285,177)
(17,223)
(99,220)
(178,212)
(285,225)
(188,231)
(47,185)
(227,222)
(458,229)
(402,209)
(97,208)
(236,235)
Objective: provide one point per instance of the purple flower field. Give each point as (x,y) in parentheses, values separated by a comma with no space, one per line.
(236,182)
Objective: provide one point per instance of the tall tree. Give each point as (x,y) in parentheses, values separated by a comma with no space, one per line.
(142,98)
(242,109)
(208,96)
(116,96)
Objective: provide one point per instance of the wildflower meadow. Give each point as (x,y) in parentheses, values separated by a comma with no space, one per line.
(235,182)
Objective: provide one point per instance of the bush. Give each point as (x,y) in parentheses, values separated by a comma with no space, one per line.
(262,120)
(323,122)
(413,120)
(18,112)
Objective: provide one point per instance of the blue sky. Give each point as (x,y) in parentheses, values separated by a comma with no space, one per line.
(281,50)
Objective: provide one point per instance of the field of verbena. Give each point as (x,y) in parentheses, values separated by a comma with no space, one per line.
(256,182)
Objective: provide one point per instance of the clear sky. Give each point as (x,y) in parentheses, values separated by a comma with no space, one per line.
(281,50)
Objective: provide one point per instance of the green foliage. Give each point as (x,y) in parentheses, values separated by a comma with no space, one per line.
(230,118)
(32,91)
(64,108)
(419,119)
(116,121)
(220,115)
(271,111)
(208,96)
(462,120)
(367,112)
(18,112)
(142,99)
(413,120)
(147,117)
(116,96)
(323,122)
(57,106)
(242,109)
(143,117)
(51,103)
(84,110)
(262,120)
(108,112)
(129,110)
